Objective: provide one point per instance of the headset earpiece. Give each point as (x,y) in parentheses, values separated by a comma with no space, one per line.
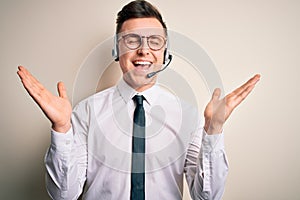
(166,56)
(115,50)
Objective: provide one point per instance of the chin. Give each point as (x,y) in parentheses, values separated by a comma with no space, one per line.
(139,83)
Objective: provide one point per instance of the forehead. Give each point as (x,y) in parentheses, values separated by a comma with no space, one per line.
(142,26)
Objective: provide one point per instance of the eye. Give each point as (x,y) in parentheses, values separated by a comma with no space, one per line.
(132,39)
(156,41)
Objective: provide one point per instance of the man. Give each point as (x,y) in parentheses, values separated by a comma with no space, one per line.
(95,146)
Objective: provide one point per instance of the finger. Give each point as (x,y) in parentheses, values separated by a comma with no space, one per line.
(238,95)
(216,94)
(62,92)
(251,82)
(25,78)
(28,79)
(245,93)
(31,84)
(21,72)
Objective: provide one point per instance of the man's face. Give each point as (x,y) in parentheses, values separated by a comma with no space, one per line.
(136,61)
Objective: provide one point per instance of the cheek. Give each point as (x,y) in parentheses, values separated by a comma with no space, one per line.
(159,56)
(125,63)
(123,51)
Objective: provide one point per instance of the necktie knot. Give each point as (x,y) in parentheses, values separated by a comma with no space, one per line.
(138,99)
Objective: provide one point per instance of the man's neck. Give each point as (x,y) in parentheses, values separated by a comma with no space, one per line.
(141,88)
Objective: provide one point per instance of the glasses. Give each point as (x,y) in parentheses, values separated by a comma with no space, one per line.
(134,41)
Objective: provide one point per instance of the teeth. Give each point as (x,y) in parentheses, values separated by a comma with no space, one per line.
(142,63)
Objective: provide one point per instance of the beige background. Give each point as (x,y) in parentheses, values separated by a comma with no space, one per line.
(52,38)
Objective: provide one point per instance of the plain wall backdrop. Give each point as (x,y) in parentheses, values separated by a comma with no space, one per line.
(242,37)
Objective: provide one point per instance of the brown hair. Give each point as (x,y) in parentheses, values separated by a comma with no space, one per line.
(138,9)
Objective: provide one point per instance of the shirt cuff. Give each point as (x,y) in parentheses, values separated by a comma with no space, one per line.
(212,143)
(62,141)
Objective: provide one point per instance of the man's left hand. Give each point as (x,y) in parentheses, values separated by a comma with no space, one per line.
(218,110)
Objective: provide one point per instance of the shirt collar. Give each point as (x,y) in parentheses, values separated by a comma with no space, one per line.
(128,92)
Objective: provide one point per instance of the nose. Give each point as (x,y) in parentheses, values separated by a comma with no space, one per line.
(144,48)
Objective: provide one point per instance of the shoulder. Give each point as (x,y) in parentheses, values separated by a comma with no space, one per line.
(100,98)
(168,97)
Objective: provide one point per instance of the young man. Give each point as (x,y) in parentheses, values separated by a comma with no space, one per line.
(135,140)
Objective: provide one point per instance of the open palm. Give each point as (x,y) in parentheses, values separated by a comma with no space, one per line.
(218,110)
(58,109)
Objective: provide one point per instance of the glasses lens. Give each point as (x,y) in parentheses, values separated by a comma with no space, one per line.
(156,42)
(132,41)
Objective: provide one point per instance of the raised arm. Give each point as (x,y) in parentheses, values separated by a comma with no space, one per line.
(58,109)
(66,159)
(206,165)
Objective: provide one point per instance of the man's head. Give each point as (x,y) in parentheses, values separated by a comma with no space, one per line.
(141,41)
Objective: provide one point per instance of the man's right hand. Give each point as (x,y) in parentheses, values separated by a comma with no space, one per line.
(58,109)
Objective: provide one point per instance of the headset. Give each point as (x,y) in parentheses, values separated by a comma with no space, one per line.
(166,62)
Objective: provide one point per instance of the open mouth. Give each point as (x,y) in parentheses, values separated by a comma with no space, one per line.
(142,64)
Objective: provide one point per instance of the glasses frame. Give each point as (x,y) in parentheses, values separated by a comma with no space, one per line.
(141,37)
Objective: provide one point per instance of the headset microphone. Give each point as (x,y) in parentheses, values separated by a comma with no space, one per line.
(165,66)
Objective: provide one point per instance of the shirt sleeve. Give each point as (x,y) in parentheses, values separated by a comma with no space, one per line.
(66,162)
(206,166)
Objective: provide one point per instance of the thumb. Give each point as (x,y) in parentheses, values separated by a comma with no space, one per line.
(216,94)
(62,92)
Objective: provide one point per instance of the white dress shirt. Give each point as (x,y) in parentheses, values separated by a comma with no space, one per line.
(95,154)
